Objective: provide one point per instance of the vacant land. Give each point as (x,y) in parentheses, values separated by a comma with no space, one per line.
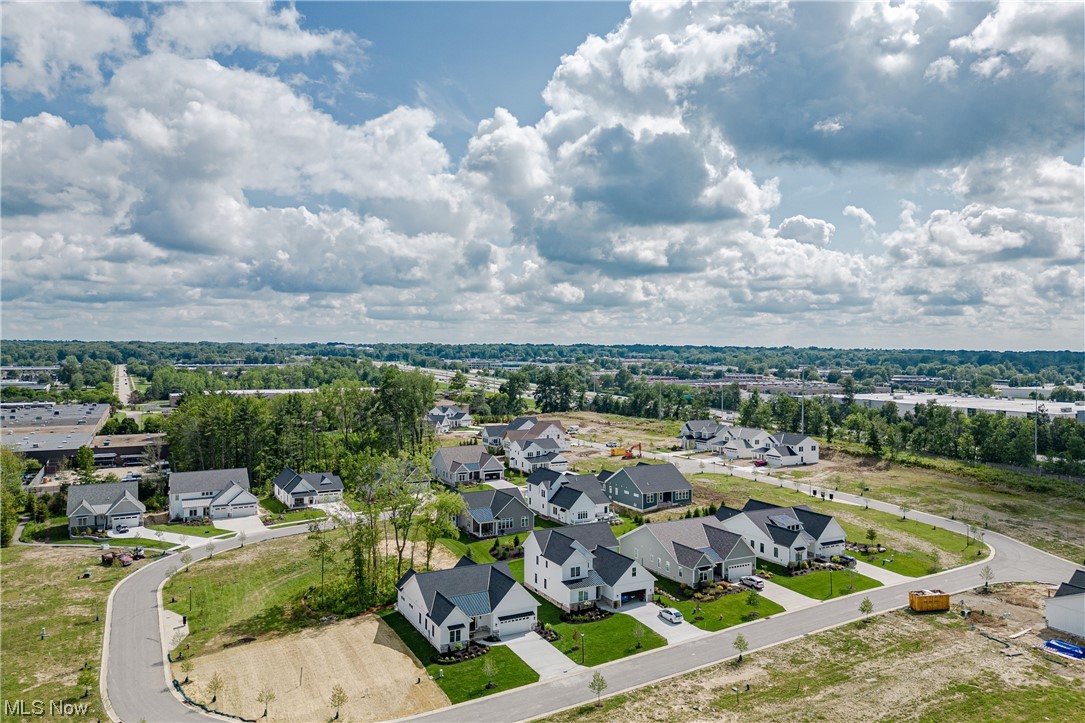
(900,666)
(191,530)
(653,434)
(1052,519)
(822,584)
(363,655)
(41,590)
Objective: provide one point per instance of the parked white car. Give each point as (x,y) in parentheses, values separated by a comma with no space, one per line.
(753,581)
(671,615)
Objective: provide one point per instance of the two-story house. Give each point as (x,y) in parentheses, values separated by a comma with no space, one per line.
(696,433)
(787,450)
(528,455)
(578,567)
(493,513)
(466,465)
(785,535)
(568,498)
(469,601)
(647,487)
(215,493)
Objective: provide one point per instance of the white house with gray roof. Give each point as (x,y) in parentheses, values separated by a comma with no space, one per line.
(693,551)
(577,567)
(217,494)
(785,535)
(568,498)
(787,450)
(1065,610)
(104,506)
(466,465)
(308,488)
(647,487)
(466,602)
(528,455)
(492,513)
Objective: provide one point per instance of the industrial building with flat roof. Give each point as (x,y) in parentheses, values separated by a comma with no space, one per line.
(970,405)
(50,433)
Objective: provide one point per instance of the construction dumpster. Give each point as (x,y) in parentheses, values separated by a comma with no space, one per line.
(925,601)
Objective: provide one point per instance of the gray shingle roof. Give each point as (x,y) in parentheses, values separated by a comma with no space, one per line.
(291,482)
(611,565)
(789,438)
(479,587)
(542,476)
(101,497)
(577,486)
(487,505)
(472,454)
(556,543)
(209,480)
(655,478)
(1075,586)
(696,533)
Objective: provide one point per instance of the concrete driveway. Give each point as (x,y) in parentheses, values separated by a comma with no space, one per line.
(541,656)
(148,534)
(249,525)
(881,574)
(648,614)
(503,484)
(789,599)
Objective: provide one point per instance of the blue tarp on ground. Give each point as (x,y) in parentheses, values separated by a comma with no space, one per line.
(1061,646)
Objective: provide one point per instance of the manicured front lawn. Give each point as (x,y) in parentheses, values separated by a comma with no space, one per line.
(516,567)
(722,613)
(822,584)
(607,640)
(191,530)
(281,515)
(463,681)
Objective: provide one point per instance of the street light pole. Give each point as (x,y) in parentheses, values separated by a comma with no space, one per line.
(190,598)
(583,646)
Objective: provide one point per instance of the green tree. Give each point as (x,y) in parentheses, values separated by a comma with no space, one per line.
(871,535)
(86,679)
(439,519)
(866,607)
(266,696)
(458,382)
(12,497)
(489,669)
(214,686)
(338,699)
(741,645)
(598,685)
(753,599)
(320,548)
(84,464)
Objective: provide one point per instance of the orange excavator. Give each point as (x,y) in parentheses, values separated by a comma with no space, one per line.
(629,452)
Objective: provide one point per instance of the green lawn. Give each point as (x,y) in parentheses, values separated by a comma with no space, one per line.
(821,584)
(281,515)
(42,589)
(55,531)
(718,614)
(516,567)
(191,530)
(463,681)
(607,640)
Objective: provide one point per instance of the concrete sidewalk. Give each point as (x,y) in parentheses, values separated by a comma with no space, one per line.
(881,574)
(790,599)
(541,656)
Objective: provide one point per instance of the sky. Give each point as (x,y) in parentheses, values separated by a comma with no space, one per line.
(875,174)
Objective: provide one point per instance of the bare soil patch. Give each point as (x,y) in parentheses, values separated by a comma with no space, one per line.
(377,671)
(899,666)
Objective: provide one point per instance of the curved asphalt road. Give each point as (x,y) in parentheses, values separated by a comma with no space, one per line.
(136,683)
(135,679)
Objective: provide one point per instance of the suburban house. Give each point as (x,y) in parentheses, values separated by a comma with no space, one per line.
(492,435)
(1066,609)
(519,430)
(693,551)
(467,465)
(577,567)
(469,601)
(647,487)
(696,433)
(492,513)
(571,499)
(741,442)
(104,506)
(308,488)
(787,450)
(215,493)
(447,416)
(784,535)
(528,455)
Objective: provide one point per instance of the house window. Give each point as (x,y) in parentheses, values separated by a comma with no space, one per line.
(776,552)
(668,566)
(575,571)
(581,515)
(762,548)
(454,635)
(536,559)
(504,524)
(524,522)
(544,583)
(536,578)
(679,571)
(582,596)
(634,571)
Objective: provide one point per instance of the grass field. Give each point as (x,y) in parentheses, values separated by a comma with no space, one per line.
(610,639)
(41,590)
(822,584)
(719,614)
(908,536)
(464,681)
(191,530)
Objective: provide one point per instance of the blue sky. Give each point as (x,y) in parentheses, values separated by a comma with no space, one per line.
(878,174)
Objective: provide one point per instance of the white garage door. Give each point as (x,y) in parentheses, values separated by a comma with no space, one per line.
(130,520)
(512,624)
(734,572)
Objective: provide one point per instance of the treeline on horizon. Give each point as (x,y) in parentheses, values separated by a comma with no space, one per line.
(1020,368)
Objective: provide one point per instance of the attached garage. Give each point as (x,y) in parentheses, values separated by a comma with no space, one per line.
(736,571)
(635,596)
(131,520)
(515,623)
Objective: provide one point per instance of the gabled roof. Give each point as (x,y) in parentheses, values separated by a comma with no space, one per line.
(790,439)
(472,454)
(612,565)
(522,423)
(576,486)
(235,494)
(549,457)
(475,589)
(488,505)
(764,515)
(700,425)
(700,535)
(1075,586)
(101,497)
(557,543)
(655,478)
(543,476)
(208,480)
(493,430)
(315,482)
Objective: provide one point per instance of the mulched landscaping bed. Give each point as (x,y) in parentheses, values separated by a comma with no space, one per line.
(452,657)
(591,615)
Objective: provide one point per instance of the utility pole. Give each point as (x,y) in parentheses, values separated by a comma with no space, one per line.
(659,402)
(1036,431)
(802,403)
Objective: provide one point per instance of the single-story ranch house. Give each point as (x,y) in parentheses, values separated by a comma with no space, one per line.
(104,506)
(492,513)
(309,488)
(214,493)
(692,551)
(467,465)
(466,602)
(785,535)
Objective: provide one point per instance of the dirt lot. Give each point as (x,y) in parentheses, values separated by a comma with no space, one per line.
(900,666)
(363,655)
(624,430)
